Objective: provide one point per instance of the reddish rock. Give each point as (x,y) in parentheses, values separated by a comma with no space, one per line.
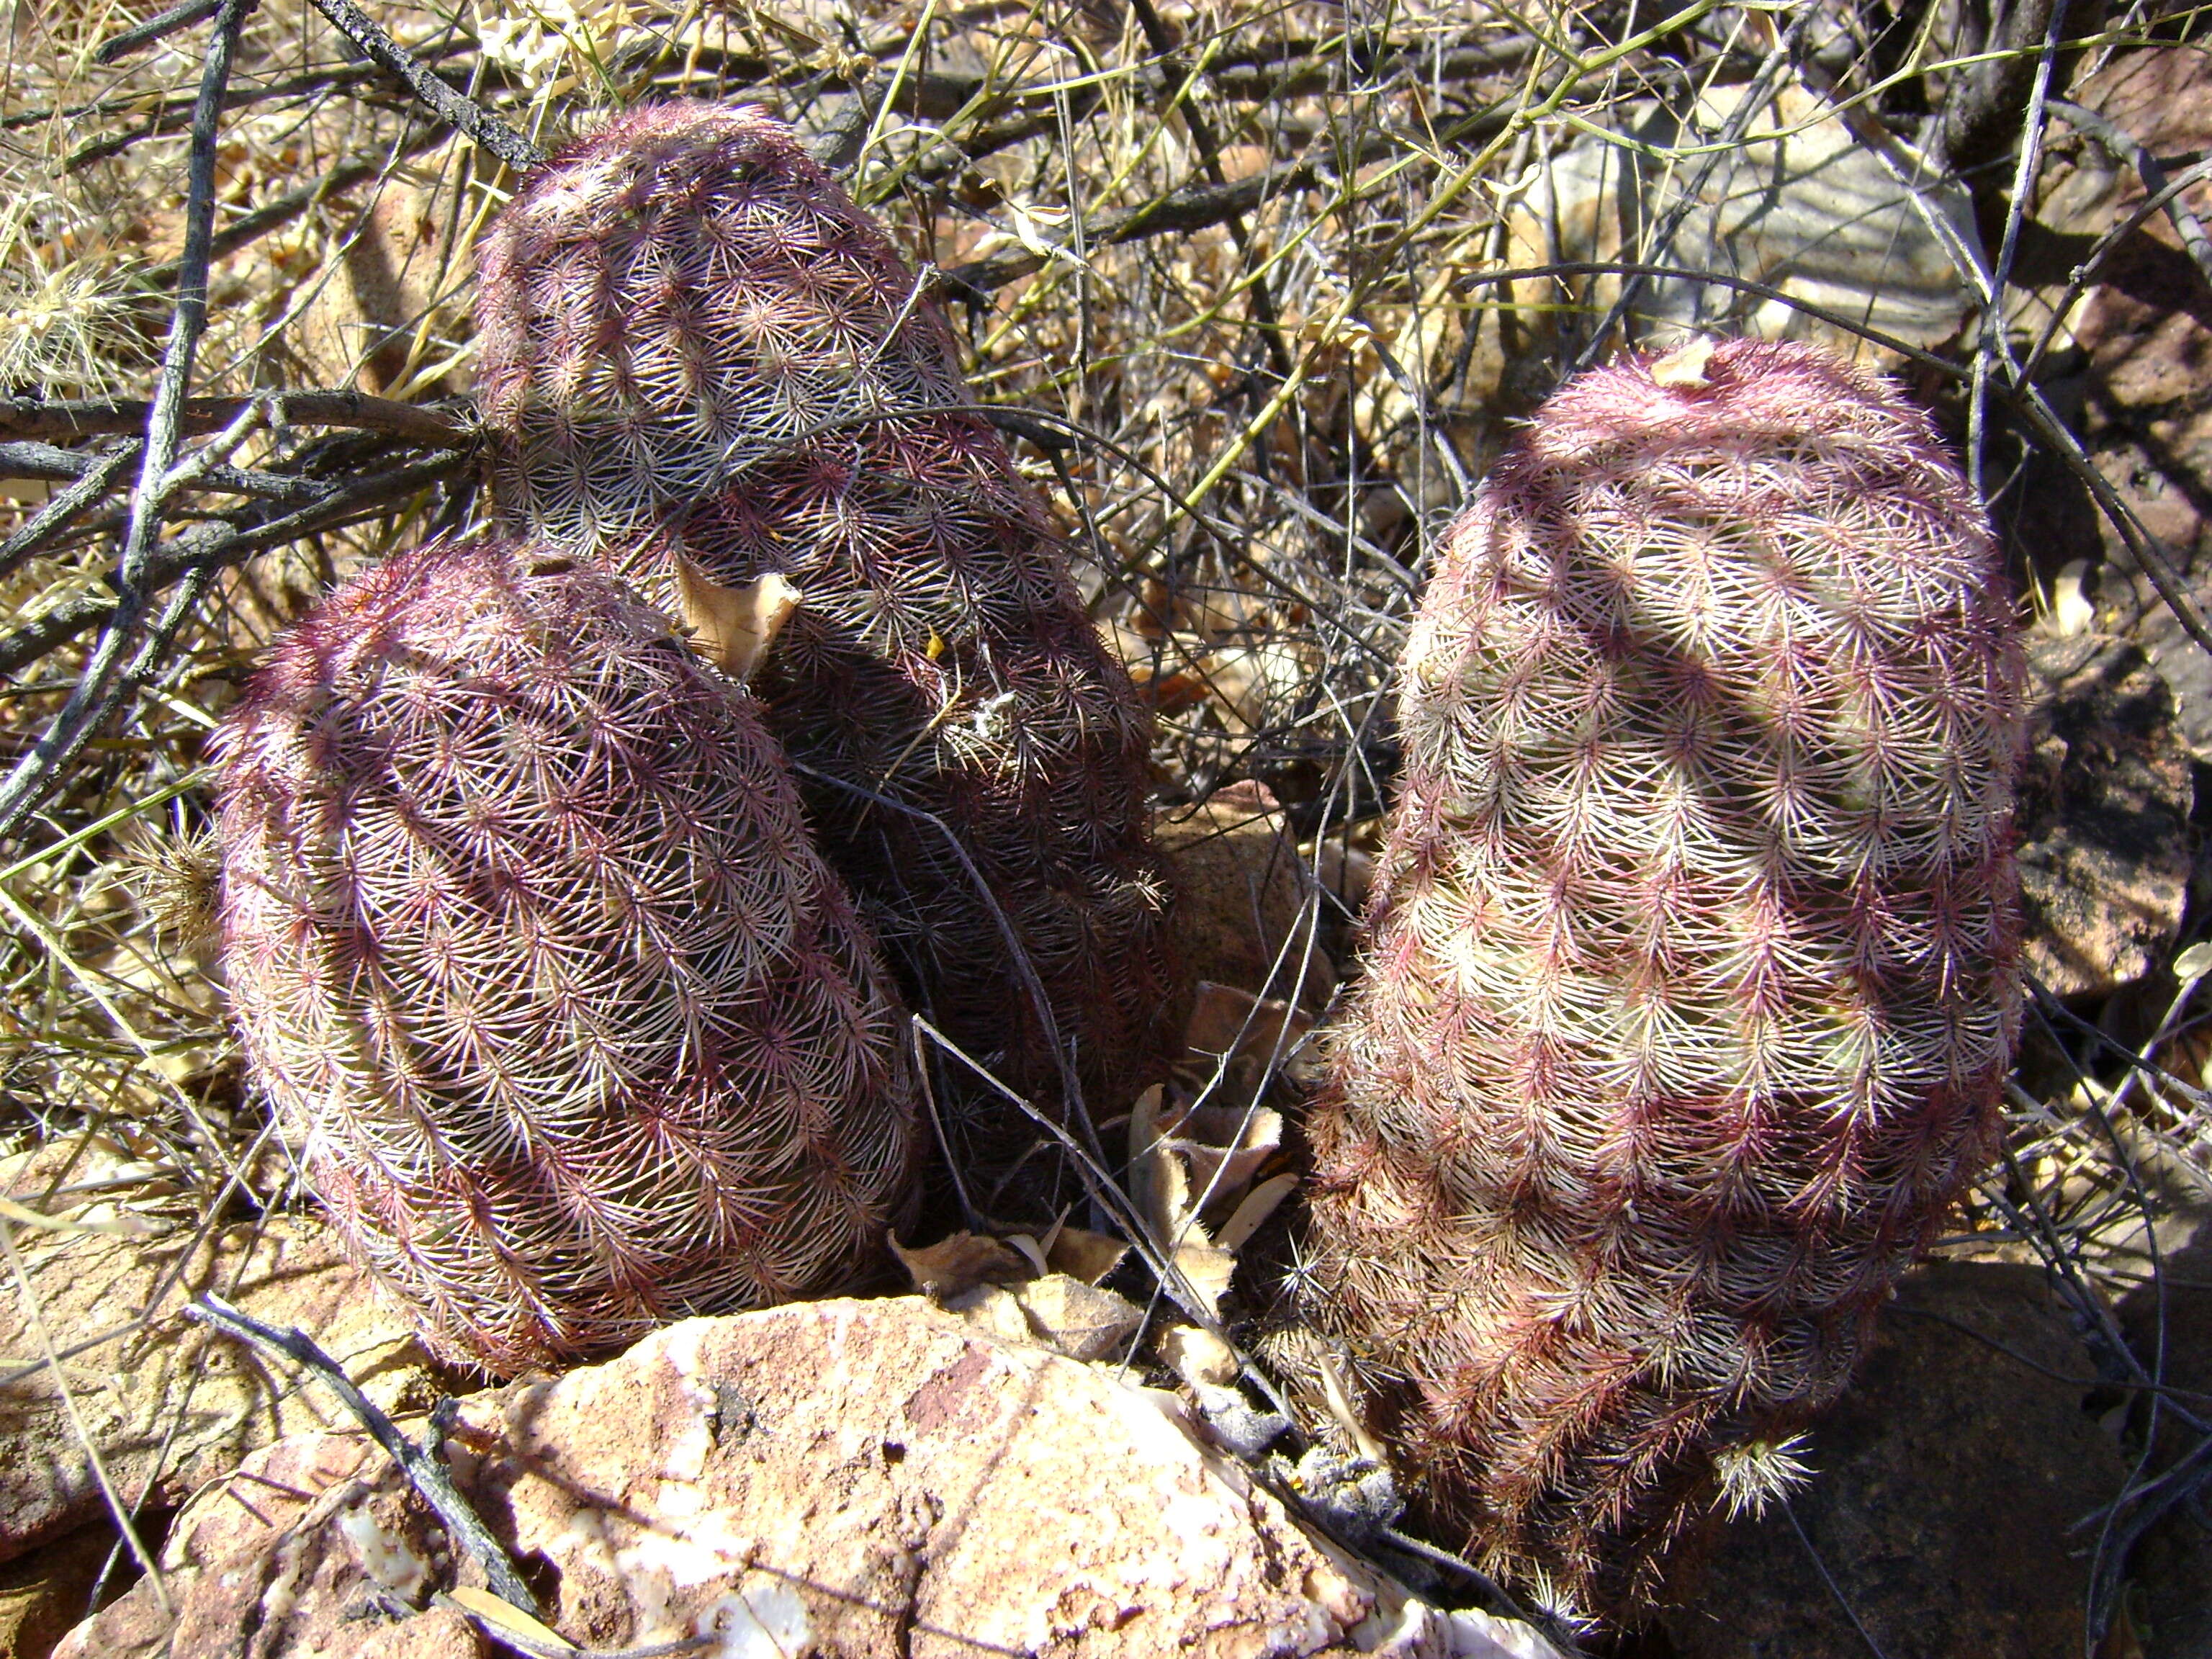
(856,1479)
(1242,914)
(168,1407)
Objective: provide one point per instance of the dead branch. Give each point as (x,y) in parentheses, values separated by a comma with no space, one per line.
(103,684)
(465,115)
(2160,188)
(35,417)
(429,1477)
(100,476)
(228,541)
(160,27)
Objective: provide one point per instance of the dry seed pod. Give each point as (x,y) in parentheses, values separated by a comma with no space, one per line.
(694,346)
(1691,973)
(526,939)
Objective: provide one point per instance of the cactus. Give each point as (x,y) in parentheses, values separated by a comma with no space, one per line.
(526,940)
(698,357)
(1691,966)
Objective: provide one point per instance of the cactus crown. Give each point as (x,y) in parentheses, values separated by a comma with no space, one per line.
(526,938)
(1693,958)
(687,326)
(678,296)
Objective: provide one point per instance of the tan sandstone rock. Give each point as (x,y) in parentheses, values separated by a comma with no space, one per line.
(856,1479)
(2105,852)
(1241,915)
(167,1406)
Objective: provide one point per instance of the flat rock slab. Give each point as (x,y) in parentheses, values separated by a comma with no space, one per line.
(858,1479)
(167,1406)
(1949,1483)
(2105,852)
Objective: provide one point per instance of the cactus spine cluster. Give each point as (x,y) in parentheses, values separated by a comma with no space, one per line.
(527,940)
(695,348)
(1692,965)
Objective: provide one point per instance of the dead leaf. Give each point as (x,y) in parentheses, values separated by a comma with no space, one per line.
(2072,612)
(1148,1160)
(1084,1255)
(1683,369)
(733,627)
(1031,1251)
(1224,1020)
(991,1309)
(1197,1356)
(508,1620)
(1339,1401)
(1167,1201)
(944,1269)
(1223,1148)
(1206,1269)
(1259,1204)
(1080,1320)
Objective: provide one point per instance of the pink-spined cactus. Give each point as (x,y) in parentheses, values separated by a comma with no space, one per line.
(526,940)
(1691,966)
(694,347)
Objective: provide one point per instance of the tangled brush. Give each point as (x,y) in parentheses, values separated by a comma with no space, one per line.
(1692,960)
(528,943)
(702,361)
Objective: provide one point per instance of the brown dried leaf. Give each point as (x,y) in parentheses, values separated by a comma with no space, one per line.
(1031,1252)
(1160,1184)
(1224,1020)
(1080,1320)
(1258,1205)
(1197,1356)
(733,627)
(1222,1148)
(960,1263)
(993,1309)
(1084,1255)
(507,1621)
(1207,1268)
(1151,1165)
(1684,367)
(1338,1398)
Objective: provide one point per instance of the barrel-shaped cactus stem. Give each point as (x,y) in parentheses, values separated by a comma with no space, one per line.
(527,940)
(695,348)
(1691,966)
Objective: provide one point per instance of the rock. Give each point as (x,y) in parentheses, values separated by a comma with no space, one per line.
(1241,897)
(2128,369)
(44,1593)
(2170,1602)
(383,275)
(2105,848)
(1946,1485)
(861,1479)
(290,1538)
(169,1406)
(1802,205)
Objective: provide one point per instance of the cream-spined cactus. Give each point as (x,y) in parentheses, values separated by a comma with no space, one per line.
(1692,972)
(528,943)
(700,360)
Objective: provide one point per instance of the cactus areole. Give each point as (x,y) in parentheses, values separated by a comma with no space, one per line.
(1691,966)
(526,940)
(694,346)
